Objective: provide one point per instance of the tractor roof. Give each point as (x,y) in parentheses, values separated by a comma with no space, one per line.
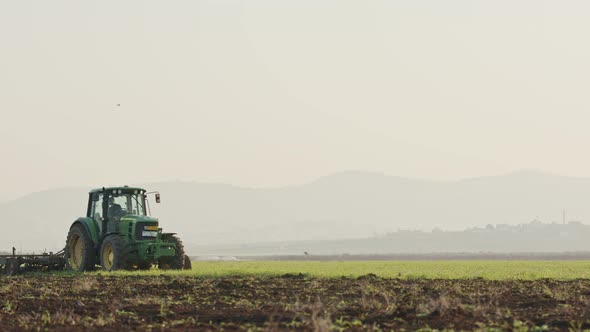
(126,188)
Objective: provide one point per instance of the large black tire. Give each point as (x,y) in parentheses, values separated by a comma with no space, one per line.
(79,252)
(187,263)
(113,255)
(144,266)
(176,262)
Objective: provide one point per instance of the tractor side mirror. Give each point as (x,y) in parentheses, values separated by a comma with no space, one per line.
(158,198)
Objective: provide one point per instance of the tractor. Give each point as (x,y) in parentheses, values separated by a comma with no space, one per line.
(118,233)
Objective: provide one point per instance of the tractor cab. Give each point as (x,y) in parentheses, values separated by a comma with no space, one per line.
(110,206)
(117,202)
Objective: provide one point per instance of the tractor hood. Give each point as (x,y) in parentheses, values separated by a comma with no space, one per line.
(140,227)
(138,218)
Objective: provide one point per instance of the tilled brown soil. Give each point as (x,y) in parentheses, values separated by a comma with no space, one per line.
(161,302)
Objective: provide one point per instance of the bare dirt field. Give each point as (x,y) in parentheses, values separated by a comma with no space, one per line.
(160,302)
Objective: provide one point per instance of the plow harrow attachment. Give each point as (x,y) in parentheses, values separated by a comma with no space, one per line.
(14,264)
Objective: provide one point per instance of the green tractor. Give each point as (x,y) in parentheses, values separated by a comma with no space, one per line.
(118,234)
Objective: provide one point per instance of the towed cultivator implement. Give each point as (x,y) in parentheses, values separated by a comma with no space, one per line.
(13,264)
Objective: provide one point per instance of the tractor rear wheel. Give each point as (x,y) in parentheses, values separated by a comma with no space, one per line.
(112,253)
(79,251)
(175,262)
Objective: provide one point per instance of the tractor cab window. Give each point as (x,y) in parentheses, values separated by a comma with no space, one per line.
(96,207)
(125,203)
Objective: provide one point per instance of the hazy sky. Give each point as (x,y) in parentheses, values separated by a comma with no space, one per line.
(266,93)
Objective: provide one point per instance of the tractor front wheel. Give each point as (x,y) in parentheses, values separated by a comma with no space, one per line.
(112,253)
(79,251)
(176,262)
(187,263)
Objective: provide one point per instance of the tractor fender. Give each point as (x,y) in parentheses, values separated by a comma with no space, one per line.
(91,229)
(166,236)
(109,233)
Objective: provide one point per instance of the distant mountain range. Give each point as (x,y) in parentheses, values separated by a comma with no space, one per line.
(339,206)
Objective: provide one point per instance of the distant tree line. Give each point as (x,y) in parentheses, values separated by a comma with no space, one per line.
(530,237)
(534,240)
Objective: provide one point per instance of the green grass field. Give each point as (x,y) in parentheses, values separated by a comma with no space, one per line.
(495,270)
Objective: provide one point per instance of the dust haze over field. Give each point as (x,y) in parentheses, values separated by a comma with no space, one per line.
(248,116)
(349,205)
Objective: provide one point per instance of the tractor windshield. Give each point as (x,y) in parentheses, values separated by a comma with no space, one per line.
(125,203)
